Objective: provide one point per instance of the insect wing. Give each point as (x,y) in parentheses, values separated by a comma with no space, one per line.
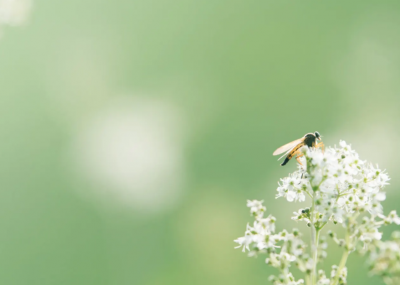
(287,146)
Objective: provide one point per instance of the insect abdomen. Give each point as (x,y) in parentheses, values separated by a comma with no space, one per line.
(285,161)
(292,153)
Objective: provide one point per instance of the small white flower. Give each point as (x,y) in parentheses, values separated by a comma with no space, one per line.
(381,196)
(256,207)
(371,235)
(392,218)
(300,215)
(244,242)
(322,279)
(293,187)
(265,225)
(344,145)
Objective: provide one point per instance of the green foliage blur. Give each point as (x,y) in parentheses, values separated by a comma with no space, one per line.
(244,78)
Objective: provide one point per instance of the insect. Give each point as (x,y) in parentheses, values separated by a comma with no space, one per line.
(293,148)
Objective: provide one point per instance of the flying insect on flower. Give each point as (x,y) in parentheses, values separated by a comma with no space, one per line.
(294,148)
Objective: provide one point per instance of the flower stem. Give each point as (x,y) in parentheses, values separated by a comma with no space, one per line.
(308,279)
(345,255)
(314,231)
(341,266)
(314,248)
(314,245)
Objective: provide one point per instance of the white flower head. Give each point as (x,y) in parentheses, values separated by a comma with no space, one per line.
(343,190)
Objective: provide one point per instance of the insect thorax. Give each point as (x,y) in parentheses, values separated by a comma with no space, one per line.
(309,140)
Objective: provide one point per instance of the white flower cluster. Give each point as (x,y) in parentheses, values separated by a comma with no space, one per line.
(283,248)
(343,189)
(384,259)
(293,187)
(339,181)
(341,276)
(323,280)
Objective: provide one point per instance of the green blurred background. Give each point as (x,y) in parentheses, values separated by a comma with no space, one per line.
(133,132)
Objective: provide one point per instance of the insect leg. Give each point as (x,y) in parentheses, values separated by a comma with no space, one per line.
(321,145)
(299,154)
(292,152)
